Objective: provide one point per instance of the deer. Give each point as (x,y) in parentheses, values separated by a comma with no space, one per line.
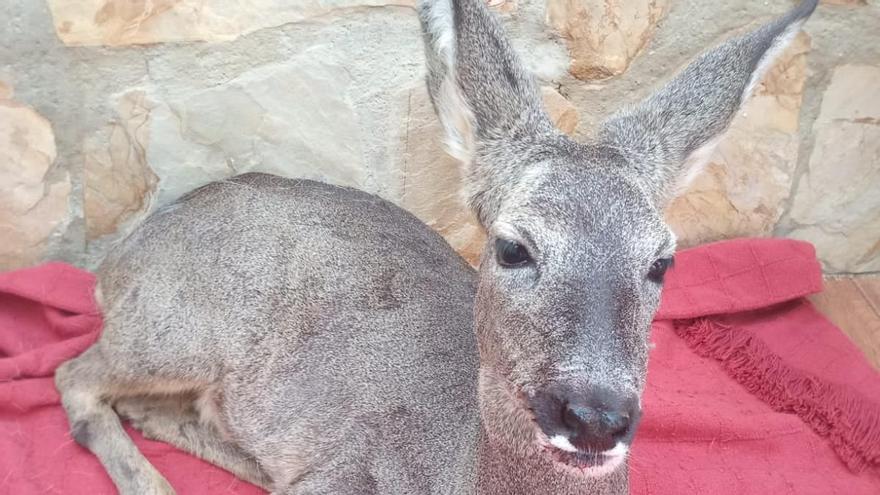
(316,339)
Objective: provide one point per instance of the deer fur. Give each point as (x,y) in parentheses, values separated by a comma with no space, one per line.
(315,339)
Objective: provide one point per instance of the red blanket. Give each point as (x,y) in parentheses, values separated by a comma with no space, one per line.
(750,390)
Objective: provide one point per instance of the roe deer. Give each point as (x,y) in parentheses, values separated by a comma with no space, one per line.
(315,339)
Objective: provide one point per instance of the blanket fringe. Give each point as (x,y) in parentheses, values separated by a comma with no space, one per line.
(847,419)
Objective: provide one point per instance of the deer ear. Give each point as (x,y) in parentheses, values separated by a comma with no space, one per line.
(453,110)
(669,136)
(488,103)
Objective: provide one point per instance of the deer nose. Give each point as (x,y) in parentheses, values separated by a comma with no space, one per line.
(592,419)
(595,428)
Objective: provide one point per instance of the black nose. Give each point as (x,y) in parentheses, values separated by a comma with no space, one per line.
(591,418)
(594,427)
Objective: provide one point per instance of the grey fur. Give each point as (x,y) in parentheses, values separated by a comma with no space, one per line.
(319,340)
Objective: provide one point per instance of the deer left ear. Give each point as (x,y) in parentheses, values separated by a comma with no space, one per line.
(668,137)
(487,101)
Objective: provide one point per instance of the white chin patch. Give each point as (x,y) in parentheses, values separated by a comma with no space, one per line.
(562,443)
(613,457)
(605,469)
(619,450)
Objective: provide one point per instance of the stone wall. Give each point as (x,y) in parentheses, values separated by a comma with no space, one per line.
(110,108)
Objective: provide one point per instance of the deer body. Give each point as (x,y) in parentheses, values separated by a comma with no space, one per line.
(361,339)
(315,339)
(377,353)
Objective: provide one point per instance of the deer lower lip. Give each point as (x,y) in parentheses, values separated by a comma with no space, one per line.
(581,460)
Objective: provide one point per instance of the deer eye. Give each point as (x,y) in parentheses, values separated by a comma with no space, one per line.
(658,269)
(511,254)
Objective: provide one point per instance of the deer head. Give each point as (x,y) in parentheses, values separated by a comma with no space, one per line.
(577,247)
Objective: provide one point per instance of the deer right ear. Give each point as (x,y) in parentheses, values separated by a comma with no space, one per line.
(438,31)
(488,103)
(669,136)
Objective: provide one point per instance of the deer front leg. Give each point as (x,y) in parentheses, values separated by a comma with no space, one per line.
(176,421)
(86,392)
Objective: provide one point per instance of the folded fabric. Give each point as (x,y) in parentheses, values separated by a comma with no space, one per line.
(750,390)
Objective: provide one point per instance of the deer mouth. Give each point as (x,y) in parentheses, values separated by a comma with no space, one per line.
(565,455)
(580,460)
(585,462)
(558,448)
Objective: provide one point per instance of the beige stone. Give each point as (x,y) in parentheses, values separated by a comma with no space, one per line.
(293,119)
(561,111)
(748,179)
(118,180)
(845,2)
(32,204)
(836,205)
(432,180)
(502,5)
(6,90)
(604,36)
(130,22)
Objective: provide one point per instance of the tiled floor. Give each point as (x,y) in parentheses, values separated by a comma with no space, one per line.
(853,304)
